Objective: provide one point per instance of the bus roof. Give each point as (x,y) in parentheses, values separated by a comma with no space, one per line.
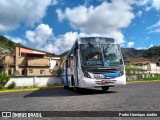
(96,40)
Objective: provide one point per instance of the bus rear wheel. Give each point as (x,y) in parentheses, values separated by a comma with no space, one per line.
(105,88)
(66,87)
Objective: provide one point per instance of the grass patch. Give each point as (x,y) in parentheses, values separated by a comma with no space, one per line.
(145,79)
(152,78)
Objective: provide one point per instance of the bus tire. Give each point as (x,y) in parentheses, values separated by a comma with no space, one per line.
(66,87)
(72,80)
(76,89)
(105,88)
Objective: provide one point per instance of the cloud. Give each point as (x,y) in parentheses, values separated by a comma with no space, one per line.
(130,44)
(156,4)
(151,45)
(141,48)
(155,25)
(64,42)
(15,12)
(155,31)
(139,14)
(105,19)
(155,28)
(60,15)
(149,4)
(40,36)
(43,38)
(54,2)
(142,2)
(16,39)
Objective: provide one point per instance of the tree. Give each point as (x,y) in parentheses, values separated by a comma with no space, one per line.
(3,79)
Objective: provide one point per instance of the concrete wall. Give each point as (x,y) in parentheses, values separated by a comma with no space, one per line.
(37,81)
(152,68)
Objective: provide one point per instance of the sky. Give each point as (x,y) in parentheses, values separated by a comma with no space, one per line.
(54,25)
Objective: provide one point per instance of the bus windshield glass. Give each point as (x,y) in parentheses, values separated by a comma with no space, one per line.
(100,55)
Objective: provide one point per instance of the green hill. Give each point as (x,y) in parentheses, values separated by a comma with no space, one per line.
(5,43)
(132,52)
(153,52)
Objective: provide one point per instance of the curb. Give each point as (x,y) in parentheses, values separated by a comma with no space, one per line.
(143,81)
(29,89)
(54,87)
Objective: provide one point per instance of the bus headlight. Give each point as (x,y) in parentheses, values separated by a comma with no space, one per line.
(86,74)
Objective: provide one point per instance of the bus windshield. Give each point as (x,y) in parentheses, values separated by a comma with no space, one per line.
(100,55)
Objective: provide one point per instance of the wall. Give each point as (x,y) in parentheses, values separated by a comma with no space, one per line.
(36,71)
(52,64)
(37,81)
(9,60)
(153,68)
(38,62)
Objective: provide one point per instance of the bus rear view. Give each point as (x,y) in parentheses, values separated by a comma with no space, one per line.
(94,62)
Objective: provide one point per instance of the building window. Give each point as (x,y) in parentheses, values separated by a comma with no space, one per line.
(9,72)
(23,72)
(56,63)
(42,72)
(158,64)
(30,70)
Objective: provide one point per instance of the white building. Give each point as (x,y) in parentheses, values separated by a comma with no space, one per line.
(152,67)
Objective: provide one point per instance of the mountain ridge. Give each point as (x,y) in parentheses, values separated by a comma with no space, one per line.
(152,52)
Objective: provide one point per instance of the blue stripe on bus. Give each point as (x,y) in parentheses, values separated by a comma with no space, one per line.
(117,74)
(66,83)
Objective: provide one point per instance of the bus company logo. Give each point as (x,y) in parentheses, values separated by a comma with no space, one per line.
(106,63)
(6,114)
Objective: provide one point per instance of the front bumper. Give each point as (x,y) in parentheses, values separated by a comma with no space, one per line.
(93,83)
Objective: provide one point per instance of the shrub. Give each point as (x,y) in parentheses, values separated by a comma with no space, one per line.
(12,85)
(59,72)
(1,87)
(3,79)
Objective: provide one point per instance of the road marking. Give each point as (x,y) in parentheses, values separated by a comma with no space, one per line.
(30,89)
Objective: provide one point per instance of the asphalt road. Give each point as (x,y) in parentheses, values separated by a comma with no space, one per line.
(132,97)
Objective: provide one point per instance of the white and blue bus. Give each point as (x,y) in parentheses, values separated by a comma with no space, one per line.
(93,62)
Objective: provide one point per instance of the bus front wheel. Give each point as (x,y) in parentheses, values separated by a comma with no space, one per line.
(105,88)
(76,89)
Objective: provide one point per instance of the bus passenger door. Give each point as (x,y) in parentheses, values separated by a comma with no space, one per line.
(75,59)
